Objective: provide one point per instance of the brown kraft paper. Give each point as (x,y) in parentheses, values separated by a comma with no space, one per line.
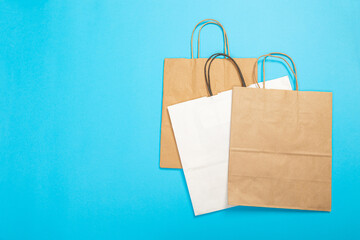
(280,148)
(184,80)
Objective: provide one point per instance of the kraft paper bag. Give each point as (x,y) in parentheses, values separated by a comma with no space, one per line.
(184,81)
(202,133)
(280,147)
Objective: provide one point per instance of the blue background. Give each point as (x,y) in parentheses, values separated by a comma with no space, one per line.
(80,110)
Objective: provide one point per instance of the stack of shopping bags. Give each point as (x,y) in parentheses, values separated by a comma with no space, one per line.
(244,142)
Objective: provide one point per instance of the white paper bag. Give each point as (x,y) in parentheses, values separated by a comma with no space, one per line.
(202,133)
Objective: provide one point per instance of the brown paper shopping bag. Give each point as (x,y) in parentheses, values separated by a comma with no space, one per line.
(184,80)
(280,147)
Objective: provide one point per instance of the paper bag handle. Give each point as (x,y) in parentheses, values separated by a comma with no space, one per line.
(275,55)
(226,43)
(207,74)
(204,23)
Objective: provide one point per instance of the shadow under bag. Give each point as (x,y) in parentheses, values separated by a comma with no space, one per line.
(280,147)
(184,81)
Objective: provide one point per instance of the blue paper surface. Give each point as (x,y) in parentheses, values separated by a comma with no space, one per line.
(80,112)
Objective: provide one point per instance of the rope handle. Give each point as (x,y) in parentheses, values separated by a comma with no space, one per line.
(204,23)
(281,56)
(207,73)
